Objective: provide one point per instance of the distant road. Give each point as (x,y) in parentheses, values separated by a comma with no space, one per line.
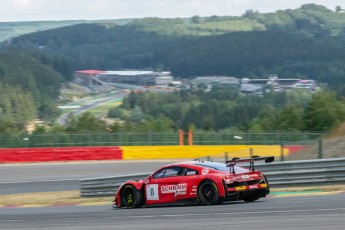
(62,120)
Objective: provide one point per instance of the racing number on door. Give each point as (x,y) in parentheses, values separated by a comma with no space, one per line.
(152,192)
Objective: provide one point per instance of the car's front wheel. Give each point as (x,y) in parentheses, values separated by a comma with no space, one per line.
(208,193)
(131,197)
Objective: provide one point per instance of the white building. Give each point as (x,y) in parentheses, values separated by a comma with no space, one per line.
(131,77)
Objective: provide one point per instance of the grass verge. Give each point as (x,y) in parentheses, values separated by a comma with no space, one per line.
(51,198)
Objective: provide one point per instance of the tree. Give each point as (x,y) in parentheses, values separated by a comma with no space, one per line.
(196,19)
(290,118)
(265,120)
(338,9)
(136,114)
(324,112)
(117,113)
(86,123)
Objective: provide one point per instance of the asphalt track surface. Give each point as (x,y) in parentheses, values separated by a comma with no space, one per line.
(303,212)
(311,212)
(27,178)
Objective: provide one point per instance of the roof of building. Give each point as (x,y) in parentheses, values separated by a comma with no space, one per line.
(127,73)
(90,72)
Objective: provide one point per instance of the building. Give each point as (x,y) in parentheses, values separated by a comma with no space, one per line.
(277,84)
(210,80)
(87,77)
(132,77)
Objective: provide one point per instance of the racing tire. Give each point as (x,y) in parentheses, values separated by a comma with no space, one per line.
(268,185)
(208,193)
(131,197)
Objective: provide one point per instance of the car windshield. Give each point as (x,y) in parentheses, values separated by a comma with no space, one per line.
(221,167)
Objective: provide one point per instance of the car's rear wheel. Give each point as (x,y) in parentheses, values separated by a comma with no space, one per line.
(131,197)
(208,193)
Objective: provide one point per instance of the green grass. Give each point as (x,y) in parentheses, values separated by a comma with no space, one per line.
(105,107)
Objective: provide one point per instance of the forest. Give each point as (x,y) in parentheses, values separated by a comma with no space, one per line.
(222,109)
(302,43)
(29,88)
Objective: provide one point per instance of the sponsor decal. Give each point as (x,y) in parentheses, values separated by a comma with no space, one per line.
(245,176)
(191,173)
(240,188)
(179,189)
(152,192)
(205,171)
(194,190)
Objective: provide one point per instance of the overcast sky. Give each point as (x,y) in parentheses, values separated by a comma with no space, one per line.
(39,10)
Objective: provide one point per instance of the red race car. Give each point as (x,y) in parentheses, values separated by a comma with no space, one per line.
(196,182)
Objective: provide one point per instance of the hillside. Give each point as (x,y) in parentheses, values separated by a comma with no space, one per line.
(301,43)
(29,87)
(243,54)
(309,19)
(9,30)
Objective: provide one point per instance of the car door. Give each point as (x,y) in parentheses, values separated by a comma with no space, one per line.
(188,184)
(164,185)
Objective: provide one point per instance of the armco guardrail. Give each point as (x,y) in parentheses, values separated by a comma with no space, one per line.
(104,186)
(279,174)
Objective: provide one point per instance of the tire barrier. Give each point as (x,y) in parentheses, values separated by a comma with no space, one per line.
(196,151)
(279,174)
(17,155)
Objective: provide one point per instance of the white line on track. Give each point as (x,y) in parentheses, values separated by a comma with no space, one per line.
(242,213)
(196,214)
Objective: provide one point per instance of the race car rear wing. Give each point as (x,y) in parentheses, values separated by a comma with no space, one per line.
(234,161)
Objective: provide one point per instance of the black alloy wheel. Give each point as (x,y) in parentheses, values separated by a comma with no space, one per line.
(208,193)
(131,197)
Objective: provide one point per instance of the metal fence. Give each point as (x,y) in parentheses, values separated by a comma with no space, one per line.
(252,138)
(88,139)
(279,174)
(148,139)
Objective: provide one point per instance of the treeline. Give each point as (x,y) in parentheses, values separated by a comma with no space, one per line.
(17,107)
(222,109)
(29,87)
(255,54)
(311,19)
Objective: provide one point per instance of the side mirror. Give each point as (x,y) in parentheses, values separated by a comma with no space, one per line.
(149,178)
